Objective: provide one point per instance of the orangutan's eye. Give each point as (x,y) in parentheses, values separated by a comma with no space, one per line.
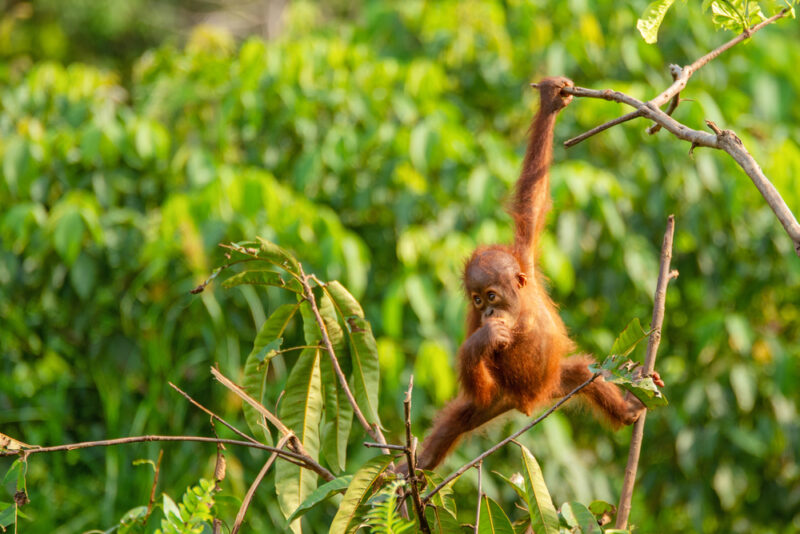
(477,300)
(491,296)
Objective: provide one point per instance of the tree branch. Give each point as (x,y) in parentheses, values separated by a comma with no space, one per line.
(410,451)
(681,79)
(374,432)
(284,430)
(256,482)
(725,140)
(664,276)
(461,470)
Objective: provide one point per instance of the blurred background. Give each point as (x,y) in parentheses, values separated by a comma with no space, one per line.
(378,140)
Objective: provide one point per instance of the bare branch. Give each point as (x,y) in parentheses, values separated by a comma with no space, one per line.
(295,443)
(213,415)
(412,462)
(152,500)
(461,470)
(725,140)
(294,457)
(664,276)
(681,79)
(374,431)
(252,490)
(479,467)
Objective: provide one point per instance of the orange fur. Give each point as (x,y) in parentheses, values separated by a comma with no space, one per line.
(513,356)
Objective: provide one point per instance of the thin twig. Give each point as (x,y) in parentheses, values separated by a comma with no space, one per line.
(725,140)
(461,470)
(680,82)
(412,462)
(373,431)
(288,455)
(479,467)
(371,445)
(213,415)
(294,442)
(152,500)
(252,490)
(664,276)
(676,71)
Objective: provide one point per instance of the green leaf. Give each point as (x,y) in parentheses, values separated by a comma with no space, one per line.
(277,255)
(651,19)
(321,494)
(300,410)
(82,275)
(383,516)
(493,519)
(363,351)
(171,511)
(68,235)
(577,515)
(629,338)
(338,410)
(540,506)
(602,508)
(346,518)
(263,278)
(7,515)
(444,498)
(257,364)
(442,521)
(520,489)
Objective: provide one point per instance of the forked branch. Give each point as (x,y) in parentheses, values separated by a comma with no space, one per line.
(664,276)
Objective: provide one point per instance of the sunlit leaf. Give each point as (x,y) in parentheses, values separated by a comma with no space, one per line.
(651,19)
(540,506)
(300,410)
(346,518)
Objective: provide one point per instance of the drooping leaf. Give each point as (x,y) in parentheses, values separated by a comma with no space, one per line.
(277,255)
(7,516)
(263,278)
(651,19)
(577,515)
(493,519)
(321,494)
(363,351)
(257,363)
(540,505)
(338,410)
(300,410)
(346,519)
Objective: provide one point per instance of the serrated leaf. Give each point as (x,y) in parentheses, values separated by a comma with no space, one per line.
(263,278)
(540,505)
(256,366)
(577,515)
(301,409)
(629,338)
(493,519)
(321,494)
(651,19)
(277,255)
(346,518)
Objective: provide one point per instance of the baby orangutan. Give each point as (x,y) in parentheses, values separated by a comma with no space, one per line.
(514,354)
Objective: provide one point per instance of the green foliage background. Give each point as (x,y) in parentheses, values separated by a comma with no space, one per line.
(378,144)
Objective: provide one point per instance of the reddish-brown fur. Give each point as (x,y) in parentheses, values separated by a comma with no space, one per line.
(516,341)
